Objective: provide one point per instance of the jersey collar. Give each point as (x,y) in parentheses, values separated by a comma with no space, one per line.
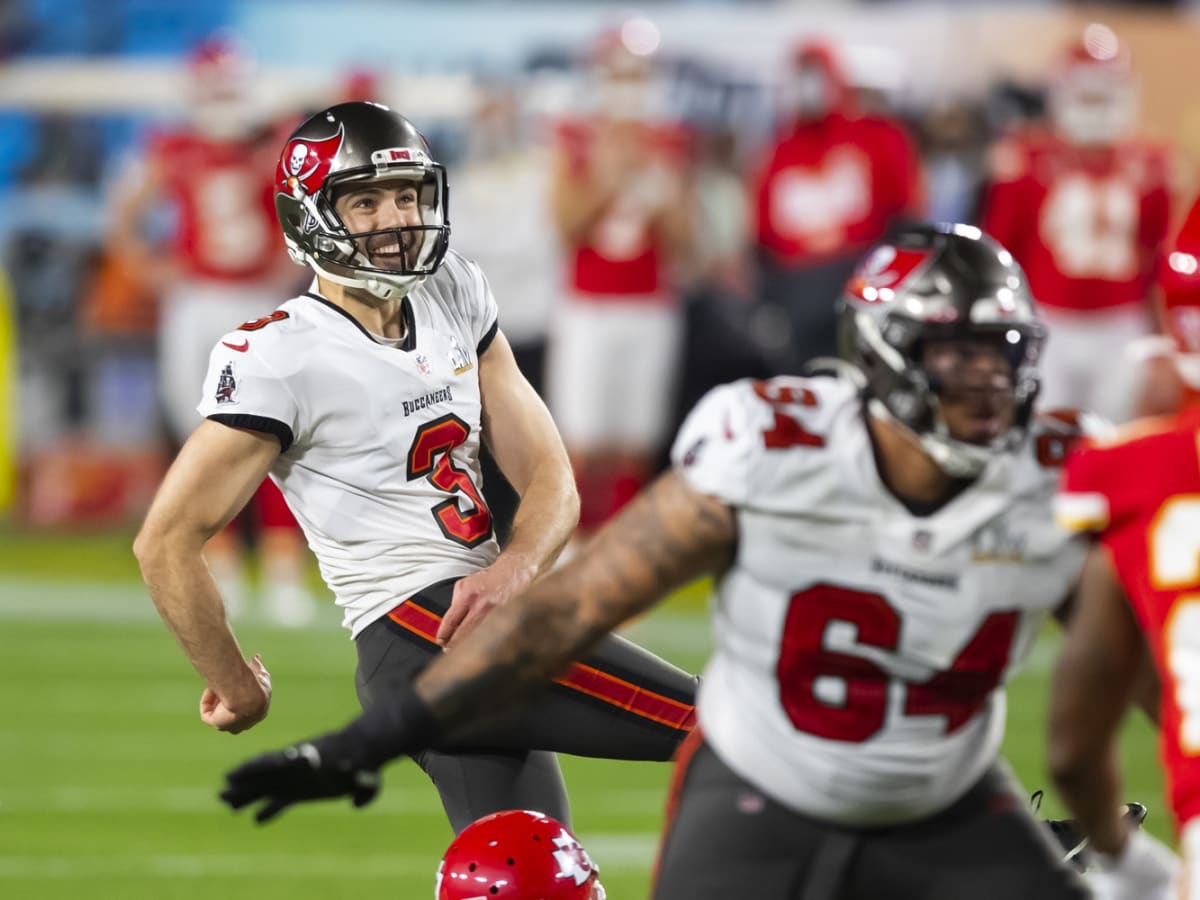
(410,338)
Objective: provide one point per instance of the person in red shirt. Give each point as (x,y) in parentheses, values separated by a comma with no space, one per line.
(224,264)
(831,185)
(619,198)
(1139,601)
(1084,207)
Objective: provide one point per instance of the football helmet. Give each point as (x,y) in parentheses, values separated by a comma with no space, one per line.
(816,84)
(517,855)
(352,143)
(220,75)
(1092,95)
(624,82)
(939,282)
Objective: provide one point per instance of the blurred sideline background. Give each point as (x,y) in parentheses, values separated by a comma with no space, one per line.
(107,779)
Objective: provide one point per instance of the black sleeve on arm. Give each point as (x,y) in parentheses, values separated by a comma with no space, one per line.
(486,340)
(403,724)
(257,423)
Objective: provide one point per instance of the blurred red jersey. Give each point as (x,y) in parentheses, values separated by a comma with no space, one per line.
(622,257)
(829,187)
(227,230)
(1087,225)
(1142,498)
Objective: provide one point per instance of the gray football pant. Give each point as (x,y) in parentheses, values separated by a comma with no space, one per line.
(725,839)
(622,702)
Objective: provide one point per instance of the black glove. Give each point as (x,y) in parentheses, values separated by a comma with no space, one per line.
(338,764)
(1067,833)
(311,770)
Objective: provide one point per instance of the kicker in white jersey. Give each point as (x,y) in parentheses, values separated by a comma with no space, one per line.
(861,649)
(380,440)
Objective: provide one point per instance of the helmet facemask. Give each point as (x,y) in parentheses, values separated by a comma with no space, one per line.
(347,257)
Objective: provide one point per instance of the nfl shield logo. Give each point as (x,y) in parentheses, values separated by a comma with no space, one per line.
(423,364)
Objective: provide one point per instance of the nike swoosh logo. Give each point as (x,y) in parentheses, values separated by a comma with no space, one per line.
(240,348)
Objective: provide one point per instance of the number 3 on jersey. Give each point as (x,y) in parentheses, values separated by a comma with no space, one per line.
(430,457)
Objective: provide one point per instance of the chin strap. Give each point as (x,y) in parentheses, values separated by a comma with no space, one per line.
(957,459)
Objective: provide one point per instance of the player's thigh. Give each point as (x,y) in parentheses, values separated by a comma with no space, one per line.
(621,702)
(1189,850)
(987,845)
(727,839)
(1065,363)
(648,338)
(574,377)
(1115,386)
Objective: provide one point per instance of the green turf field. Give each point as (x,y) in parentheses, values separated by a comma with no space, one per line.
(108,779)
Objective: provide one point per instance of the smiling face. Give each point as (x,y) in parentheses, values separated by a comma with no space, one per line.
(376,214)
(973,380)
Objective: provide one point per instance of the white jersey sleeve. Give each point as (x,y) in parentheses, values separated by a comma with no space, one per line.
(715,450)
(722,447)
(245,389)
(473,305)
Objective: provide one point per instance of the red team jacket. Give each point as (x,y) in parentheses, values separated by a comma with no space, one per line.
(831,186)
(1142,498)
(622,256)
(1086,225)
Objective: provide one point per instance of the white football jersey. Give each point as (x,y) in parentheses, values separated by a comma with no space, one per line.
(380,461)
(861,649)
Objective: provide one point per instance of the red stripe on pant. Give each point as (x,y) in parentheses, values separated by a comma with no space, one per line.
(580,677)
(683,759)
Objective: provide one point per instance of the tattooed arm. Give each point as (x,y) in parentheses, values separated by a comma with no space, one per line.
(668,535)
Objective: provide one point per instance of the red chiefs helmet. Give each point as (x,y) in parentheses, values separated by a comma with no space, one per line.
(1092,92)
(517,855)
(623,63)
(220,82)
(1179,280)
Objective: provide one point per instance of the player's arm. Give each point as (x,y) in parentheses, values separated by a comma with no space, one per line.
(529,451)
(579,197)
(1101,660)
(213,477)
(667,536)
(135,193)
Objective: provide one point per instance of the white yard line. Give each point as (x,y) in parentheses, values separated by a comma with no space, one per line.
(626,852)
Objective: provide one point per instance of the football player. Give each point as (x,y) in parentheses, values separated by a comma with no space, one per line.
(1084,207)
(885,555)
(832,182)
(620,201)
(1137,495)
(517,854)
(225,264)
(366,399)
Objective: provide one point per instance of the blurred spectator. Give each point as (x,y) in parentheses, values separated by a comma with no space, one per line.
(501,219)
(953,140)
(832,183)
(225,265)
(1084,207)
(1166,367)
(622,205)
